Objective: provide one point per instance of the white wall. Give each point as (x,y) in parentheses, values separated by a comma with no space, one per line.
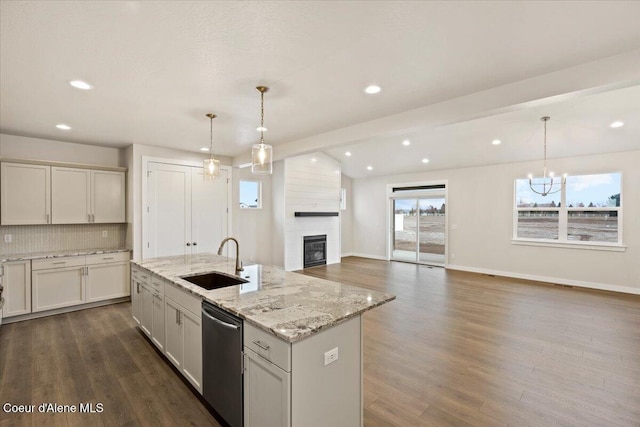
(252,227)
(480,204)
(21,147)
(311,186)
(346,229)
(134,163)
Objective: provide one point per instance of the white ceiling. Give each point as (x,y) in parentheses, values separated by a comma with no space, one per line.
(158,67)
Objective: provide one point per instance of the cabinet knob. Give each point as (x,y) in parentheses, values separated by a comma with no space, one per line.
(195,243)
(188,243)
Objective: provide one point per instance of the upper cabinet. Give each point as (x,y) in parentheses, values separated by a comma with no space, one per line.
(52,194)
(87,196)
(26,194)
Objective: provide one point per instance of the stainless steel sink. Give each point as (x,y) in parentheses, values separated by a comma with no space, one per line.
(211,281)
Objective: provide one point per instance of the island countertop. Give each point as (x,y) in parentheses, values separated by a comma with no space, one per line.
(289,305)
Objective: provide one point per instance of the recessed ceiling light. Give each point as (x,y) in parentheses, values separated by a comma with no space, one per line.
(425,160)
(313,159)
(347,153)
(80,84)
(63,126)
(371,89)
(261,129)
(204,148)
(369,168)
(406,142)
(617,124)
(496,142)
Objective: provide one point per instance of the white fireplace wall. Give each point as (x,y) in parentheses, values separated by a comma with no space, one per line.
(311,184)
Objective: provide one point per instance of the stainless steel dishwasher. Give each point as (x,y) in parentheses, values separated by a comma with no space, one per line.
(222,363)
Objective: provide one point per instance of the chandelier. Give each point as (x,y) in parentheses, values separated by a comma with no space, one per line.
(261,154)
(211,165)
(548,184)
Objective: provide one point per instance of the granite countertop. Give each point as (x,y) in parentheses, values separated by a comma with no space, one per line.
(58,254)
(291,306)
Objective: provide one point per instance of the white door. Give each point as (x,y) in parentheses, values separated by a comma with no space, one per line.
(26,194)
(192,351)
(70,195)
(169,210)
(209,211)
(267,392)
(174,338)
(185,214)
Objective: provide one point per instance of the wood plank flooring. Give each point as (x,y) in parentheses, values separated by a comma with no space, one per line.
(463,349)
(454,349)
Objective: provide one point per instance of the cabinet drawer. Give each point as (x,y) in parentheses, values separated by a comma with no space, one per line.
(268,346)
(184,298)
(140,275)
(157,284)
(45,264)
(105,258)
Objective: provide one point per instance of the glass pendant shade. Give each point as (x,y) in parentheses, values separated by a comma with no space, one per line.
(211,168)
(261,159)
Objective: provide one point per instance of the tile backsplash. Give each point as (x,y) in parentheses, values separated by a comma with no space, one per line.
(50,238)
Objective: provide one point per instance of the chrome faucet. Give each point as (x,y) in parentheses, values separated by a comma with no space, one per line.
(238,262)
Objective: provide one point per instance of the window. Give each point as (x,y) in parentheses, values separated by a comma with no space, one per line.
(588,210)
(250,194)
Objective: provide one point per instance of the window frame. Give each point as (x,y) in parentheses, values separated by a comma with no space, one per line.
(563,221)
(259,206)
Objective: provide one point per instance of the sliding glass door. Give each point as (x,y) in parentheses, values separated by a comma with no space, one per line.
(418,231)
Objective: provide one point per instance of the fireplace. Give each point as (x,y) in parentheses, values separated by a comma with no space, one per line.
(314,250)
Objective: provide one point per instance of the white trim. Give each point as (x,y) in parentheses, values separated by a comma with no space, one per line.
(570,245)
(360,255)
(546,279)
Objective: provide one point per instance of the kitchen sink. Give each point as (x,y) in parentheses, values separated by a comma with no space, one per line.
(211,281)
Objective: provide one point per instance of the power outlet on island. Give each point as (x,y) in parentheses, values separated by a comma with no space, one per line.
(8,238)
(330,356)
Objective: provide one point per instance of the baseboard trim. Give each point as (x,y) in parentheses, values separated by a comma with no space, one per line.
(383,258)
(546,279)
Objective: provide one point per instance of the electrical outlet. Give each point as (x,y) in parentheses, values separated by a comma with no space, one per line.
(8,238)
(330,356)
(105,233)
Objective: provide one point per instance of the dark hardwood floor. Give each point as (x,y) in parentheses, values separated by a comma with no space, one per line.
(454,349)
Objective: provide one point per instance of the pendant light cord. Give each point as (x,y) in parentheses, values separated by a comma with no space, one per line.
(262,117)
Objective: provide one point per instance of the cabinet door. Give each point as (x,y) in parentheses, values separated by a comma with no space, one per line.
(136,299)
(157,329)
(107,196)
(26,194)
(70,195)
(146,320)
(174,343)
(266,393)
(105,281)
(59,287)
(16,280)
(192,361)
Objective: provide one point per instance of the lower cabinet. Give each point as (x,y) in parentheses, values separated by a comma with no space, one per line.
(157,326)
(267,391)
(16,280)
(107,276)
(183,337)
(57,283)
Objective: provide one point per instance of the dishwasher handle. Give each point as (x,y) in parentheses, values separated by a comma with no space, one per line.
(220,322)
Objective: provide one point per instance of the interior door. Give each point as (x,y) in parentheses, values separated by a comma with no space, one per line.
(169,210)
(209,214)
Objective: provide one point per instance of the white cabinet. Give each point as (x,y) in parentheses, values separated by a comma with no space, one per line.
(152,311)
(183,334)
(87,196)
(138,280)
(16,280)
(157,325)
(184,214)
(57,283)
(26,194)
(267,390)
(107,276)
(146,318)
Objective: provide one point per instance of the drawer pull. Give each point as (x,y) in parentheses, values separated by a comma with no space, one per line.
(61,262)
(265,347)
(109,257)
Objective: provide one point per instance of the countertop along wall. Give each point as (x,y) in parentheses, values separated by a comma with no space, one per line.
(480,204)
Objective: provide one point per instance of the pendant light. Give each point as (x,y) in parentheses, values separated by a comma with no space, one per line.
(261,154)
(211,165)
(545,186)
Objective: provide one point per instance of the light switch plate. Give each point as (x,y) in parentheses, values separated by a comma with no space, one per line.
(330,356)
(104,233)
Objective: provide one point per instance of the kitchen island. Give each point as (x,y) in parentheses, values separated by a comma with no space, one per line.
(302,353)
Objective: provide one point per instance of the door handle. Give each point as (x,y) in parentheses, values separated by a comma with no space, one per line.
(137,287)
(88,217)
(265,347)
(188,243)
(47,219)
(195,243)
(220,322)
